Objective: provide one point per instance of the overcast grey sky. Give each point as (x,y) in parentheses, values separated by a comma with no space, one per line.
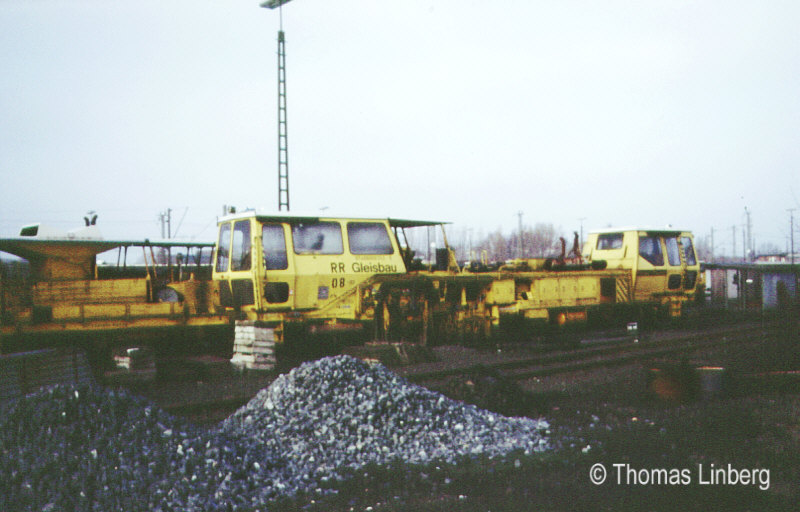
(615,112)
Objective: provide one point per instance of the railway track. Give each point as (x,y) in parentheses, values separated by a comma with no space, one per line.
(594,354)
(514,362)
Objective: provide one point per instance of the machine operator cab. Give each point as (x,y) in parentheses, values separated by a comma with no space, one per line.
(283,263)
(663,264)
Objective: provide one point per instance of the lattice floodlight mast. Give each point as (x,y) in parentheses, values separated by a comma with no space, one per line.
(283,139)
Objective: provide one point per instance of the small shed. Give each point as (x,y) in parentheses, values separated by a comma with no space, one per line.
(753,286)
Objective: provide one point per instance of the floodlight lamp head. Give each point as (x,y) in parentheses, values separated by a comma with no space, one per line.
(272,4)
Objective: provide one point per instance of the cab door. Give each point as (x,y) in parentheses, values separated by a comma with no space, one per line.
(676,266)
(233,269)
(651,271)
(276,285)
(690,263)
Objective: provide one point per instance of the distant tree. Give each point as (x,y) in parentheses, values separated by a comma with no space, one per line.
(540,241)
(702,246)
(497,246)
(769,248)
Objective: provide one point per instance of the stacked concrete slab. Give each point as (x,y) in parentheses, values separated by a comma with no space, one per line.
(254,346)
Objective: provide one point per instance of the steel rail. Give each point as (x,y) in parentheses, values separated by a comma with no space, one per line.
(614,354)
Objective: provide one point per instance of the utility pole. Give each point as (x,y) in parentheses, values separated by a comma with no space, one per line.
(749,239)
(521,248)
(166,219)
(166,222)
(733,254)
(744,243)
(712,245)
(791,234)
(791,237)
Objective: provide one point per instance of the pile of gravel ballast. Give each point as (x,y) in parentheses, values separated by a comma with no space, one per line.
(84,448)
(81,448)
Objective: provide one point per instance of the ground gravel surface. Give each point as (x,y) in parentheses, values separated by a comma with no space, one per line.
(83,448)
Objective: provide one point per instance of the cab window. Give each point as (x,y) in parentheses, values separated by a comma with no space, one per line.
(609,241)
(368,238)
(320,238)
(223,247)
(673,252)
(273,242)
(650,250)
(688,250)
(240,256)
